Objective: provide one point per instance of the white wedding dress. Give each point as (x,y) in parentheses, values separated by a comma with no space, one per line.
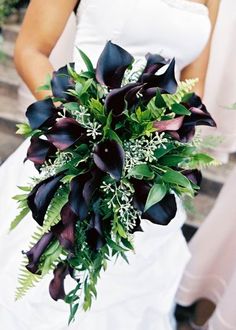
(139,296)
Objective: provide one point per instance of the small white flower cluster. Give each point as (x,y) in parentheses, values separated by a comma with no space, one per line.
(132,75)
(83,117)
(121,202)
(142,150)
(51,168)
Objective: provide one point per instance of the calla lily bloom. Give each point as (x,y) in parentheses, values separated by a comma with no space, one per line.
(64,231)
(56,286)
(160,213)
(40,150)
(154,63)
(117,99)
(193,175)
(36,251)
(112,64)
(61,82)
(182,128)
(109,157)
(41,114)
(110,70)
(41,196)
(65,133)
(82,189)
(95,237)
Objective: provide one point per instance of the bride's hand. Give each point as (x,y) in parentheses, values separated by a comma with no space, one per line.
(43,24)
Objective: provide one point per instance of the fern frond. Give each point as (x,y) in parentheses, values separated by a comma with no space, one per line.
(184,88)
(19,217)
(53,214)
(26,281)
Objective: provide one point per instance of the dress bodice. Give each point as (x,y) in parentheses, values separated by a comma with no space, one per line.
(172,28)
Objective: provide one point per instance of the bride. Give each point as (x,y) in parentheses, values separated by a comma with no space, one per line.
(130,297)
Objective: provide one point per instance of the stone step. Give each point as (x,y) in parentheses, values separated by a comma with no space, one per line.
(9,110)
(7,50)
(9,141)
(198,208)
(215,177)
(9,81)
(10,32)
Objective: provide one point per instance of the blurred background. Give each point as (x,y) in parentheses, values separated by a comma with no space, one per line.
(220,94)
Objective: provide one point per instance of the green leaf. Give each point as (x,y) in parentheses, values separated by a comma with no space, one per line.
(25,188)
(173,160)
(161,151)
(113,136)
(46,86)
(175,177)
(68,178)
(121,230)
(86,60)
(159,101)
(21,197)
(19,217)
(106,128)
(141,171)
(156,194)
(179,109)
(24,129)
(73,312)
(115,246)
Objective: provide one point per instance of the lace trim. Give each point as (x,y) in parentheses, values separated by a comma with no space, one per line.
(195,7)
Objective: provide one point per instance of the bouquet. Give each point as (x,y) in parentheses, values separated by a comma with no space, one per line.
(113,147)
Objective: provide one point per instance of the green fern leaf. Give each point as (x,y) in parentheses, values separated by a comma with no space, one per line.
(27,280)
(19,217)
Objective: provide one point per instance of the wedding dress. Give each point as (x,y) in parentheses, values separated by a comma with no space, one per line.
(138,296)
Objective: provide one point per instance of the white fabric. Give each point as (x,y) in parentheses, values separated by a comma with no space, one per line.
(138,296)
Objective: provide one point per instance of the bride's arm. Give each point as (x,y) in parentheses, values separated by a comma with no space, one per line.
(43,24)
(199,67)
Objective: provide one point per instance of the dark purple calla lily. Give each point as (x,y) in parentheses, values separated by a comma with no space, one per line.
(148,84)
(82,189)
(160,213)
(40,150)
(112,64)
(61,82)
(193,175)
(169,125)
(64,231)
(182,128)
(109,157)
(41,114)
(154,63)
(77,200)
(117,99)
(65,133)
(92,184)
(199,114)
(165,82)
(95,237)
(56,286)
(41,196)
(36,252)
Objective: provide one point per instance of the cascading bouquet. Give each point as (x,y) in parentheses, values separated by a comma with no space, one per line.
(114,147)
